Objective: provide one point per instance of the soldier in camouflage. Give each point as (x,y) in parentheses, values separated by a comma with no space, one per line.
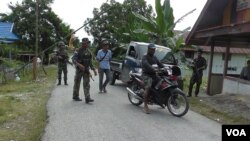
(83,61)
(62,62)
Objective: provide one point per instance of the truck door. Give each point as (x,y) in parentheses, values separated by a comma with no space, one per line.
(129,63)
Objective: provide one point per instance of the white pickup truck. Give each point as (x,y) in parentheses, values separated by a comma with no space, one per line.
(120,69)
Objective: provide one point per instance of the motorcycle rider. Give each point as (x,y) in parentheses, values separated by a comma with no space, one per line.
(149,75)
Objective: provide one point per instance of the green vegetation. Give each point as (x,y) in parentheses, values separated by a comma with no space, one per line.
(52,30)
(205,108)
(23,107)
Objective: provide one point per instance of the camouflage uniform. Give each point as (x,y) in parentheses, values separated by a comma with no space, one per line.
(84,57)
(62,63)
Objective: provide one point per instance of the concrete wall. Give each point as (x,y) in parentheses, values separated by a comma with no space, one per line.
(236,86)
(235,65)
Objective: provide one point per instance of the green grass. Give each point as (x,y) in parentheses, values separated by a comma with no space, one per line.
(203,108)
(222,117)
(23,107)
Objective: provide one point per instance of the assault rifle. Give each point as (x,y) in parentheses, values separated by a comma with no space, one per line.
(65,58)
(195,69)
(82,68)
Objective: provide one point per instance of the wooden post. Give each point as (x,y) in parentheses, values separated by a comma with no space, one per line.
(210,68)
(36,47)
(34,61)
(226,59)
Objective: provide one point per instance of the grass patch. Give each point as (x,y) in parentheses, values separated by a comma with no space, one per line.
(23,107)
(204,108)
(201,107)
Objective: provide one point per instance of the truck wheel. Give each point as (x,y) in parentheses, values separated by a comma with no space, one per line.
(112,78)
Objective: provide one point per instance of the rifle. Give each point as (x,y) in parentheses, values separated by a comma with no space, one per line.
(82,68)
(196,70)
(65,58)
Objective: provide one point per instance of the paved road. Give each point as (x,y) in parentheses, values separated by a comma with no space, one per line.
(112,118)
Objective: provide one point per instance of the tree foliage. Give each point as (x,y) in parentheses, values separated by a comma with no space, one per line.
(114,21)
(161,27)
(51,27)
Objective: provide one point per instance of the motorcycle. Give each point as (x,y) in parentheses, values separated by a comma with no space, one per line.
(167,95)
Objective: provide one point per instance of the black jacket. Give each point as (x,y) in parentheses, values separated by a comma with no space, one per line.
(147,62)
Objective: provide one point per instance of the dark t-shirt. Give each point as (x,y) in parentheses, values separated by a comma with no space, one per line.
(199,63)
(147,62)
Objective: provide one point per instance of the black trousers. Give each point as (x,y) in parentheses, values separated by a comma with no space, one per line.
(195,79)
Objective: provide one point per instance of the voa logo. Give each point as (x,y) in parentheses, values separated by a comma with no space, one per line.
(236,132)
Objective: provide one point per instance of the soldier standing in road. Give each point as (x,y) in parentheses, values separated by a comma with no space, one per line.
(198,65)
(83,61)
(62,62)
(104,56)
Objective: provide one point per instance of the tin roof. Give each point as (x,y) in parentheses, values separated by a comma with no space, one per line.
(6,34)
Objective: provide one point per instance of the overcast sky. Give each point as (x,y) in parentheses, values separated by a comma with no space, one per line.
(75,12)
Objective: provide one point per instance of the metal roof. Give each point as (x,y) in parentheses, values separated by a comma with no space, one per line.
(6,34)
(233,50)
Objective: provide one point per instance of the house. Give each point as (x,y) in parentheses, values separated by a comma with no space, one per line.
(236,60)
(6,35)
(223,23)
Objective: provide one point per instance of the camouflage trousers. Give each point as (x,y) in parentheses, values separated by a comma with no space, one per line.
(62,67)
(86,86)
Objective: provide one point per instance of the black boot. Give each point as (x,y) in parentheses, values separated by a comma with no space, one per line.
(65,82)
(77,99)
(59,82)
(88,100)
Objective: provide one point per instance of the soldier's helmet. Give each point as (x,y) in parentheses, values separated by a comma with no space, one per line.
(61,45)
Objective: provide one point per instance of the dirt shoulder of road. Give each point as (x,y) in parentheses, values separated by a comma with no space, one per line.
(234,106)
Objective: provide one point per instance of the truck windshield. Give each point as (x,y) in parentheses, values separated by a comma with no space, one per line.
(162,53)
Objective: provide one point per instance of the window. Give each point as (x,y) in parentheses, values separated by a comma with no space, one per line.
(132,52)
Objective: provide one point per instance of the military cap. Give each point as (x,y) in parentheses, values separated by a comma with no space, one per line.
(84,40)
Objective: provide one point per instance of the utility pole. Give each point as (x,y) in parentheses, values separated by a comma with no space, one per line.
(36,46)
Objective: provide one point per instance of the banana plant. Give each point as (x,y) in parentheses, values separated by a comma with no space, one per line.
(161,27)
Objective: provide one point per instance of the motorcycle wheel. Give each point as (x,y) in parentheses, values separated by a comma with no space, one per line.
(177,103)
(131,97)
